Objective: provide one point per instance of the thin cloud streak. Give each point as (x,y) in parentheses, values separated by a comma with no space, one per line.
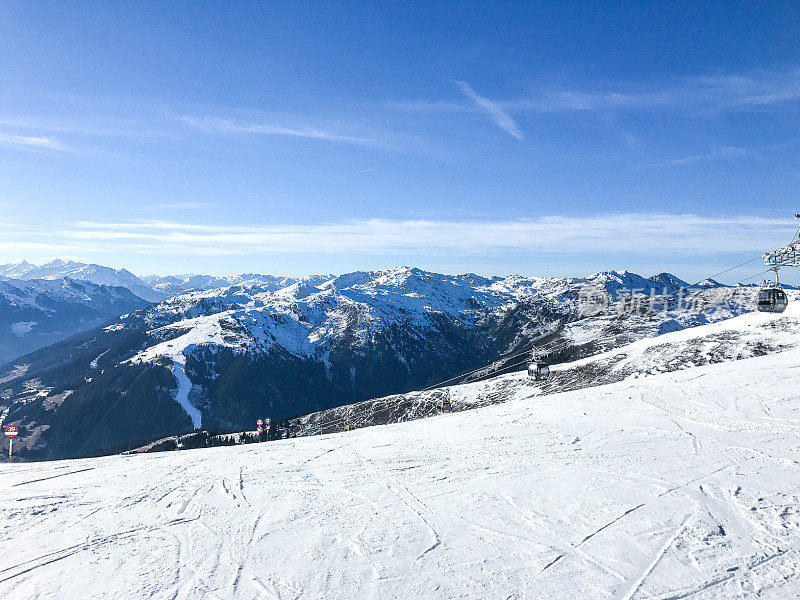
(501,118)
(723,153)
(671,235)
(227,126)
(30,141)
(353,133)
(736,92)
(100,127)
(183,205)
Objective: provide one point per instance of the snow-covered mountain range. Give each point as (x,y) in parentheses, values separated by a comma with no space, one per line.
(156,288)
(19,335)
(221,358)
(152,288)
(61,269)
(172,285)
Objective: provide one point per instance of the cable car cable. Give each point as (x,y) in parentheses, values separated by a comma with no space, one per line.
(747,262)
(564,344)
(756,275)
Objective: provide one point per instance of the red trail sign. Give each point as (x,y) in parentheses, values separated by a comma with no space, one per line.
(11,432)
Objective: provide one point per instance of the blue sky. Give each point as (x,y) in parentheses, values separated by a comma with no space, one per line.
(536,138)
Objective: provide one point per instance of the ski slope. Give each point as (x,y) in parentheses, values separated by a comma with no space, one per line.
(666,486)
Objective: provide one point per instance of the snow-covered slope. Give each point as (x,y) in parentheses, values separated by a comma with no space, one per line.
(60,269)
(668,486)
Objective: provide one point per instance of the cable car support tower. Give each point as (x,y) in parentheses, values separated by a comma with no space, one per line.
(772,298)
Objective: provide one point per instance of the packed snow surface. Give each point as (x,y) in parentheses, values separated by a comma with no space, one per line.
(677,485)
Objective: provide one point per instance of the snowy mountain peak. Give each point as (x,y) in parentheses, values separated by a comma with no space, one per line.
(15,270)
(710,283)
(23,264)
(616,281)
(57,262)
(98,274)
(669,281)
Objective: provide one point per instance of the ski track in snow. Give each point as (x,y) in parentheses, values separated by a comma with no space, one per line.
(671,486)
(184,387)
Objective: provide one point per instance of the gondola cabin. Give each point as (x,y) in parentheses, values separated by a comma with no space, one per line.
(772,299)
(538,370)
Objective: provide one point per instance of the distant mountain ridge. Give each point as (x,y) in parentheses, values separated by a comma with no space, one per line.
(172,285)
(60,269)
(40,312)
(155,288)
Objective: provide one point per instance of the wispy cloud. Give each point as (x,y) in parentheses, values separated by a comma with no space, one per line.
(757,88)
(658,235)
(500,117)
(355,132)
(228,126)
(727,92)
(424,105)
(13,247)
(31,141)
(722,153)
(183,205)
(86,126)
